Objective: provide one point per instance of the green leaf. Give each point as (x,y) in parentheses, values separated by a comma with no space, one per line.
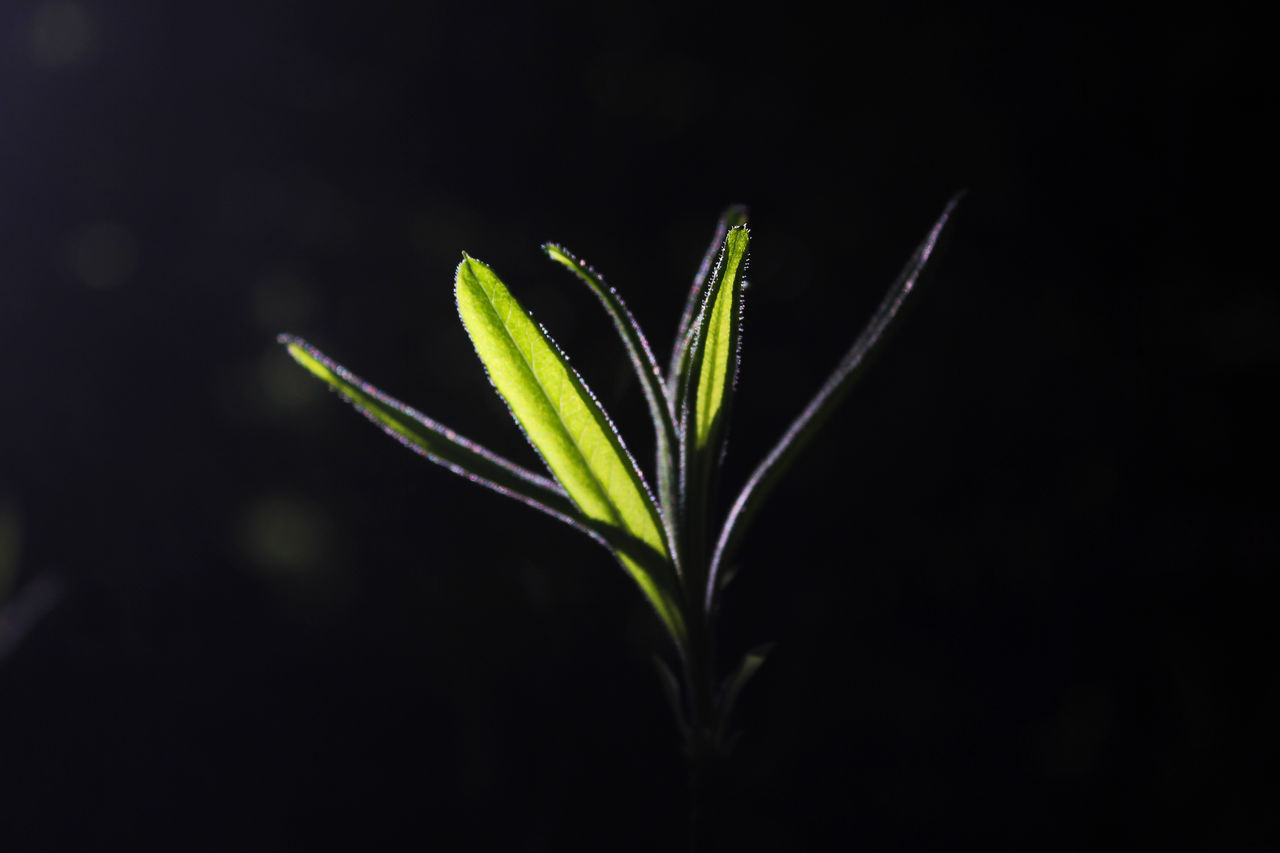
(646,368)
(733,216)
(716,351)
(468,459)
(565,424)
(711,370)
(824,402)
(436,441)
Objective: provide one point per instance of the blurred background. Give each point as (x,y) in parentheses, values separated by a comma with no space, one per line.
(1019,586)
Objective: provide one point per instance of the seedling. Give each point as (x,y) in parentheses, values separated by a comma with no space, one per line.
(666,537)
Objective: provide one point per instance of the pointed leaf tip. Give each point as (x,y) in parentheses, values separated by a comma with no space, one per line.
(565,424)
(733,685)
(733,216)
(720,330)
(797,435)
(707,373)
(435,441)
(646,369)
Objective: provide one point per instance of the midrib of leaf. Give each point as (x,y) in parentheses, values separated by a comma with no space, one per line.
(530,362)
(650,533)
(733,216)
(702,404)
(717,372)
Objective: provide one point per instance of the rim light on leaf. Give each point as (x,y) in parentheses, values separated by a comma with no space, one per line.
(663,541)
(564,423)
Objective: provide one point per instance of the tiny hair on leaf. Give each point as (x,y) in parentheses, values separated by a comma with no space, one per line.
(671,544)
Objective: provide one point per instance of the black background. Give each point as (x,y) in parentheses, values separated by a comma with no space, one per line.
(1019,585)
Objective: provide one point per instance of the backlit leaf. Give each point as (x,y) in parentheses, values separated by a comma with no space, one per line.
(717,351)
(671,689)
(565,424)
(709,371)
(646,368)
(434,440)
(733,217)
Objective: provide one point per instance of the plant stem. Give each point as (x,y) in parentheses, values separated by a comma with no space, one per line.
(702,752)
(706,797)
(700,836)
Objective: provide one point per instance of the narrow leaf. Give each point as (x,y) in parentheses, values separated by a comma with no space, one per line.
(646,368)
(671,689)
(733,685)
(820,407)
(733,217)
(565,424)
(709,373)
(718,345)
(445,447)
(434,440)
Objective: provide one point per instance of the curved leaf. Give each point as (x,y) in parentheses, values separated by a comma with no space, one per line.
(671,689)
(646,368)
(434,440)
(565,424)
(732,217)
(820,407)
(733,685)
(717,352)
(709,371)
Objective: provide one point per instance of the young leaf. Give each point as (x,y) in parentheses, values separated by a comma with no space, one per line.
(436,441)
(733,217)
(565,424)
(733,685)
(445,447)
(646,368)
(716,352)
(709,372)
(820,407)
(671,689)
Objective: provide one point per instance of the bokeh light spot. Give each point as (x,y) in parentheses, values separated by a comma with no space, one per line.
(286,388)
(281,302)
(102,255)
(61,34)
(284,537)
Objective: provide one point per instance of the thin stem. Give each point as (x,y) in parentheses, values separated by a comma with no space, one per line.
(702,752)
(701,839)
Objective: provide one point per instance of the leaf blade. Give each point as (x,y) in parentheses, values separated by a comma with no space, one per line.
(733,216)
(797,435)
(732,688)
(708,372)
(646,369)
(671,690)
(433,440)
(566,426)
(718,363)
